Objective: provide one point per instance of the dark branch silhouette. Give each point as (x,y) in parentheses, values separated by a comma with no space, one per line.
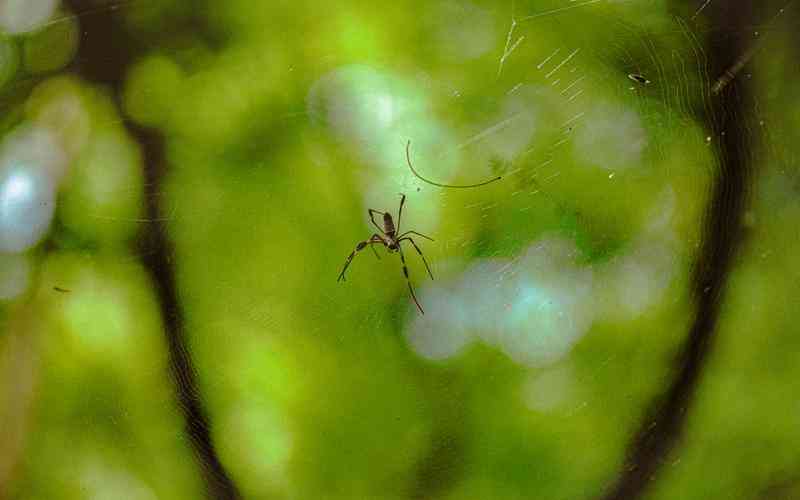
(106,53)
(727,116)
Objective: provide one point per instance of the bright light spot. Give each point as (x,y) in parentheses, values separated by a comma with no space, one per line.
(363,106)
(640,278)
(532,117)
(30,164)
(18,186)
(543,311)
(348,100)
(550,305)
(375,113)
(441,333)
(14,275)
(513,129)
(385,108)
(637,280)
(35,148)
(534,308)
(20,16)
(611,138)
(27,205)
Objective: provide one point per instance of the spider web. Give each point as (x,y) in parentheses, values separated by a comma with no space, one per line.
(562,292)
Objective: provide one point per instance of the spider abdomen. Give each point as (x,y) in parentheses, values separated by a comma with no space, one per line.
(388,225)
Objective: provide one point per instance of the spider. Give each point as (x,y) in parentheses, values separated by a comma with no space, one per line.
(388,237)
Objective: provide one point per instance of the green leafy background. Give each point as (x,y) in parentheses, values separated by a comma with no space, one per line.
(281,124)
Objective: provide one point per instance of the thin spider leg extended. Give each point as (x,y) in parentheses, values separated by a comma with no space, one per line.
(375,251)
(400,212)
(420,254)
(408,280)
(373,240)
(372,213)
(414,232)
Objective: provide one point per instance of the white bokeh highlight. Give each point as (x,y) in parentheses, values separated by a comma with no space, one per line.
(611,138)
(637,279)
(27,205)
(30,167)
(36,147)
(444,333)
(22,16)
(359,103)
(529,116)
(534,308)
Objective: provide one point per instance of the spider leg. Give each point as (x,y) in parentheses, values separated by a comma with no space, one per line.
(408,280)
(400,212)
(420,254)
(371,241)
(418,234)
(375,239)
(372,213)
(375,252)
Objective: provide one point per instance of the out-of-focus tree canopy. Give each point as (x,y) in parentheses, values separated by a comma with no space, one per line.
(181,183)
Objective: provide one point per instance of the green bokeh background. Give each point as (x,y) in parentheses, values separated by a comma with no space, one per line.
(281,123)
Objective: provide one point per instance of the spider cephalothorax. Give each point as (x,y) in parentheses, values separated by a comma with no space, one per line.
(389,238)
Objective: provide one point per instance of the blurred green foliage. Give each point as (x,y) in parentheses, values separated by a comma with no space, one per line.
(282,123)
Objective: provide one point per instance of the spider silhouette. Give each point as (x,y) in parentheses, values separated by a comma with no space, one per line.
(388,237)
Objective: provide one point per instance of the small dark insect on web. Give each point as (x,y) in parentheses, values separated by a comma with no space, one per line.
(639,78)
(61,290)
(408,159)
